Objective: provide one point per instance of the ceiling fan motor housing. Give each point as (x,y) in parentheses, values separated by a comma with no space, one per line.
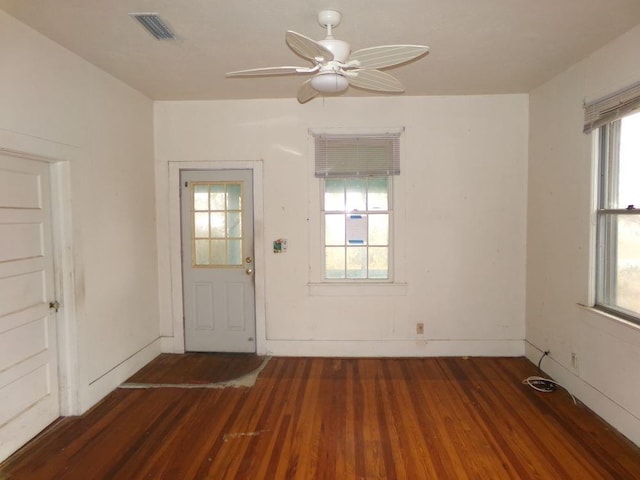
(339,48)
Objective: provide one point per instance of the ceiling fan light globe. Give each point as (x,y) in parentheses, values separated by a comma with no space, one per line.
(329,83)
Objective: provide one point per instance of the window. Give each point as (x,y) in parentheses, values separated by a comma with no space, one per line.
(618,205)
(356,228)
(216,210)
(356,174)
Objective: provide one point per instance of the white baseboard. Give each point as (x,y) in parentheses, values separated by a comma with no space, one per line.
(102,386)
(618,417)
(395,348)
(171,345)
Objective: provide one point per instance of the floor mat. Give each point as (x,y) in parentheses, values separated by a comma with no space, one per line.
(198,370)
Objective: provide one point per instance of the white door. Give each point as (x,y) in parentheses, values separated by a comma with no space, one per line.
(29,399)
(217,260)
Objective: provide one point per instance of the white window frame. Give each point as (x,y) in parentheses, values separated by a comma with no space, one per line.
(606,255)
(317,285)
(603,116)
(390,243)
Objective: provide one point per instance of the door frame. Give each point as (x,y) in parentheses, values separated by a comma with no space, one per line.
(176,343)
(58,157)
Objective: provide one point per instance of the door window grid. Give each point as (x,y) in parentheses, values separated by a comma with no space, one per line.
(356,221)
(216,210)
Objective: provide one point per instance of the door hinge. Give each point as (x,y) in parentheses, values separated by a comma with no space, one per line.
(55,305)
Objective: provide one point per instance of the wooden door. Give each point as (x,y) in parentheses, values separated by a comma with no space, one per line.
(29,397)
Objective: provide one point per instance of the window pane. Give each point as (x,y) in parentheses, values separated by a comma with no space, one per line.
(629,167)
(201,224)
(234,252)
(379,229)
(334,195)
(218,252)
(234,199)
(334,229)
(356,194)
(202,252)
(357,232)
(234,225)
(356,262)
(378,197)
(217,197)
(378,262)
(334,261)
(628,263)
(217,225)
(201,197)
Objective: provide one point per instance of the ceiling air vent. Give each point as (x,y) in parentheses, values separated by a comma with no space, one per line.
(154,25)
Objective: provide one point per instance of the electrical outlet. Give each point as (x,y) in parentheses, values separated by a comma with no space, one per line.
(420,328)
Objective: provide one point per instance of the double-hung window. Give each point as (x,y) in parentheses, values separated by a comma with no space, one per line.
(617,119)
(356,174)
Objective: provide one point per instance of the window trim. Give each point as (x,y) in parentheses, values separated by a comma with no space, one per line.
(608,148)
(316,284)
(390,212)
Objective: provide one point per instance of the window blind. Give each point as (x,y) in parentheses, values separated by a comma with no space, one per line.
(355,155)
(611,108)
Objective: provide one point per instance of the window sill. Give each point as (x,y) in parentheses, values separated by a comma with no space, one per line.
(357,289)
(618,320)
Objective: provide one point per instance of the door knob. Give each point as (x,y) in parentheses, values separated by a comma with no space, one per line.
(249,271)
(248,259)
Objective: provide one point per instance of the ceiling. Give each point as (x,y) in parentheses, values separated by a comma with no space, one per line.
(477,47)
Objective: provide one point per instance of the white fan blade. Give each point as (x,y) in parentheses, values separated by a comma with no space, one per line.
(272,71)
(386,55)
(375,80)
(306,92)
(307,47)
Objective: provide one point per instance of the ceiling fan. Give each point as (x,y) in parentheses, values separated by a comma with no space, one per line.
(334,70)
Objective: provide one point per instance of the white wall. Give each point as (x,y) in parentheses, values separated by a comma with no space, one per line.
(461,206)
(560,246)
(54,104)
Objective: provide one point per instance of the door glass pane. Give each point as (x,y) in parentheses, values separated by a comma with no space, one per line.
(234,252)
(217,225)
(201,227)
(334,262)
(356,262)
(202,252)
(234,196)
(234,225)
(334,195)
(218,252)
(201,197)
(218,197)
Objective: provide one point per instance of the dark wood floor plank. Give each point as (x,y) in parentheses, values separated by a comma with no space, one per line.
(338,418)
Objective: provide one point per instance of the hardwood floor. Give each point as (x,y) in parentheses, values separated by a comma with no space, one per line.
(313,418)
